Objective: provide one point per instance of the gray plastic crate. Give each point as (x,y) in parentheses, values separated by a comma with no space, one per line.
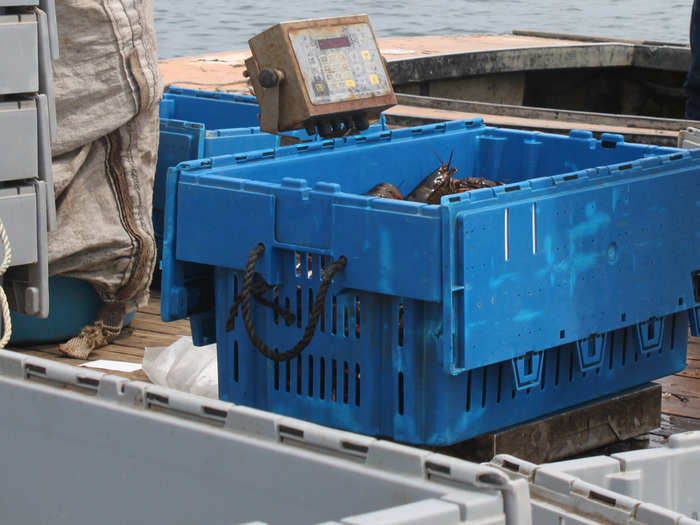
(49,7)
(24,214)
(19,53)
(25,58)
(24,136)
(655,486)
(80,444)
(25,145)
(18,214)
(689,138)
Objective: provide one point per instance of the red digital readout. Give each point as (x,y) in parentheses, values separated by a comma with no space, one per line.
(334,43)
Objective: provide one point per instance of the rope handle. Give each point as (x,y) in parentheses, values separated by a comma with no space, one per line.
(248,289)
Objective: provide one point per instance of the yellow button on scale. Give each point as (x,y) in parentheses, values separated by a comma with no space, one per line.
(350,83)
(366,55)
(374,79)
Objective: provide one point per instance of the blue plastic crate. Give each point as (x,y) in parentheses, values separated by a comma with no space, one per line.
(497,306)
(185,117)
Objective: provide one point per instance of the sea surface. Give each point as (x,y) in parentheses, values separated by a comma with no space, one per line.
(195,27)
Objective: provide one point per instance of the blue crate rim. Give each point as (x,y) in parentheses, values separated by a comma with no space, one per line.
(215,95)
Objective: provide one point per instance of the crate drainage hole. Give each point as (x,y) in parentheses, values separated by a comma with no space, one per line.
(298,306)
(442,469)
(334,381)
(354,448)
(469,391)
(216,412)
(322,379)
(89,381)
(602,498)
(291,431)
(311,376)
(511,466)
(235,361)
(35,369)
(299,378)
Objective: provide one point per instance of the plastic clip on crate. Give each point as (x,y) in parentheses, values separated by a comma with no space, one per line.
(497,306)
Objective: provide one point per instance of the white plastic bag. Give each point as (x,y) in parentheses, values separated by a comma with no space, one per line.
(184,367)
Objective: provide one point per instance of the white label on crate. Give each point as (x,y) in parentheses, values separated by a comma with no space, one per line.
(339,63)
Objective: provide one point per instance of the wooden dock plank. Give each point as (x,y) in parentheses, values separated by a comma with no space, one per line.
(573,432)
(692,370)
(140,339)
(148,323)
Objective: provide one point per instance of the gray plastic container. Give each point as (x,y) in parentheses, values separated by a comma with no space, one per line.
(26,145)
(659,486)
(24,215)
(80,446)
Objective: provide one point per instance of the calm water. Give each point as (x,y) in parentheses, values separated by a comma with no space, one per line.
(192,27)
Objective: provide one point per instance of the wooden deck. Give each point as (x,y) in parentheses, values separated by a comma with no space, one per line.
(146,330)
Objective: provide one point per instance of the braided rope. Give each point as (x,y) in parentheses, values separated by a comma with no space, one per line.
(6,261)
(309,331)
(259,287)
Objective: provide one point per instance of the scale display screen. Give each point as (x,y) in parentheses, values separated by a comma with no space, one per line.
(333,43)
(339,63)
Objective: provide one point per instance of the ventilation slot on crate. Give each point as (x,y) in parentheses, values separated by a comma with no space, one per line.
(299,307)
(235,361)
(311,376)
(334,380)
(401,324)
(401,394)
(334,320)
(299,374)
(346,379)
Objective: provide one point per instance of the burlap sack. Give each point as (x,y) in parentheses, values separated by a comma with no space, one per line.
(107,93)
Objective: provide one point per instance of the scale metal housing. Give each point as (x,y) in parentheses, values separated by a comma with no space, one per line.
(324,74)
